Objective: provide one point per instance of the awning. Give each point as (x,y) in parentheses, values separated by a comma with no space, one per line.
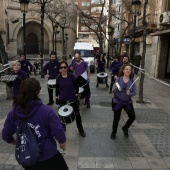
(160,32)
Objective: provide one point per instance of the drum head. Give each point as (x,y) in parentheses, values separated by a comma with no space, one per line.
(81,89)
(101,75)
(65,110)
(51,82)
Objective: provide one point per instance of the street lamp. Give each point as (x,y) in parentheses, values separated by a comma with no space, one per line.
(135,11)
(108,51)
(24,9)
(55,37)
(66,38)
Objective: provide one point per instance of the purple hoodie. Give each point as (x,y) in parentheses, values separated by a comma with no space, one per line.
(43,120)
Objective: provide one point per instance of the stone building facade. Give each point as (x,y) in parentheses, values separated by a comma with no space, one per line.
(11,28)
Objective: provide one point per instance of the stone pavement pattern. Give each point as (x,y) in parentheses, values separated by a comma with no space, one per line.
(148,145)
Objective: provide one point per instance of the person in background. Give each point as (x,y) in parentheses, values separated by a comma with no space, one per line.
(122,100)
(25,65)
(116,69)
(28,106)
(67,92)
(112,67)
(82,74)
(100,66)
(137,60)
(21,75)
(51,71)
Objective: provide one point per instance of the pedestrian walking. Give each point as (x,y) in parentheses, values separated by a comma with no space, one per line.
(25,65)
(43,123)
(82,74)
(21,75)
(67,92)
(137,60)
(51,71)
(122,99)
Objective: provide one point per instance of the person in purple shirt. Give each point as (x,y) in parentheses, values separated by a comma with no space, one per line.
(82,74)
(51,71)
(100,66)
(47,126)
(122,99)
(116,61)
(25,65)
(67,91)
(21,75)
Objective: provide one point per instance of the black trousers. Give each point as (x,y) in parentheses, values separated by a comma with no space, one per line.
(55,163)
(87,93)
(112,82)
(130,113)
(75,106)
(50,94)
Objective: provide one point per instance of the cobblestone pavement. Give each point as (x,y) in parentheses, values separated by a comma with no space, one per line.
(148,145)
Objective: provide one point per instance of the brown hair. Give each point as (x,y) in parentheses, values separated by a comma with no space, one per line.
(121,73)
(29,90)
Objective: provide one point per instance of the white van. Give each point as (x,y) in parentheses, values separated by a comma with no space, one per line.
(86,52)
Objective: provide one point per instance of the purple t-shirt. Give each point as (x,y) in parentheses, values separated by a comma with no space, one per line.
(67,89)
(80,68)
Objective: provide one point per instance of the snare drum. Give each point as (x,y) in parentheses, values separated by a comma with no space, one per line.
(102,77)
(66,114)
(51,83)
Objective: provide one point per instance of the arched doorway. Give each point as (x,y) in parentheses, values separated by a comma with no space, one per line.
(32,44)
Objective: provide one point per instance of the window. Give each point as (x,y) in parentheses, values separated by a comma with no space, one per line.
(86,11)
(85,53)
(85,3)
(97,1)
(84,28)
(113,1)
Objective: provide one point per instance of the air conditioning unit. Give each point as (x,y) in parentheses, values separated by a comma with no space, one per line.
(165,17)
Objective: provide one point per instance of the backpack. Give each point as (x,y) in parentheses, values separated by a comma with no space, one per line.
(27,150)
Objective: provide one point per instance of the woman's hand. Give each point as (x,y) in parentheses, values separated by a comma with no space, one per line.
(128,92)
(63,146)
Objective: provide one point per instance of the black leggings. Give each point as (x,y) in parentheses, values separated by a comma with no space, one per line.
(130,113)
(57,162)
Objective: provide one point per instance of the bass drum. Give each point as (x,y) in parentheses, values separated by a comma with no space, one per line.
(66,114)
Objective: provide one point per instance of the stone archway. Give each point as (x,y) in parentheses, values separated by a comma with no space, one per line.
(32,43)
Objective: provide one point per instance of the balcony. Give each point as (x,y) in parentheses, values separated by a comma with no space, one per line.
(151,24)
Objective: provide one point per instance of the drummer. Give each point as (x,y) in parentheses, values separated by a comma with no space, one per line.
(67,91)
(51,71)
(16,70)
(100,66)
(82,74)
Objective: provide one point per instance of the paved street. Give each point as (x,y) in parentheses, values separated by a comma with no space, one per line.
(148,145)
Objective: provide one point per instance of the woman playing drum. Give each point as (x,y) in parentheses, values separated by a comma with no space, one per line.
(125,88)
(100,66)
(67,92)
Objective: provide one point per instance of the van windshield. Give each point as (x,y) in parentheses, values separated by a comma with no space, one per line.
(85,53)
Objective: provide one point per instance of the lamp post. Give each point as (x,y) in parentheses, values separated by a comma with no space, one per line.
(108,51)
(24,9)
(135,11)
(66,38)
(55,37)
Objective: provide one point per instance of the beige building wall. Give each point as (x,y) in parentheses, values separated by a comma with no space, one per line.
(13,39)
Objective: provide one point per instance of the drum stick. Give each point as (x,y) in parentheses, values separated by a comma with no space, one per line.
(133,83)
(4,69)
(83,85)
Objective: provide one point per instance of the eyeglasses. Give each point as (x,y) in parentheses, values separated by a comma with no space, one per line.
(64,67)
